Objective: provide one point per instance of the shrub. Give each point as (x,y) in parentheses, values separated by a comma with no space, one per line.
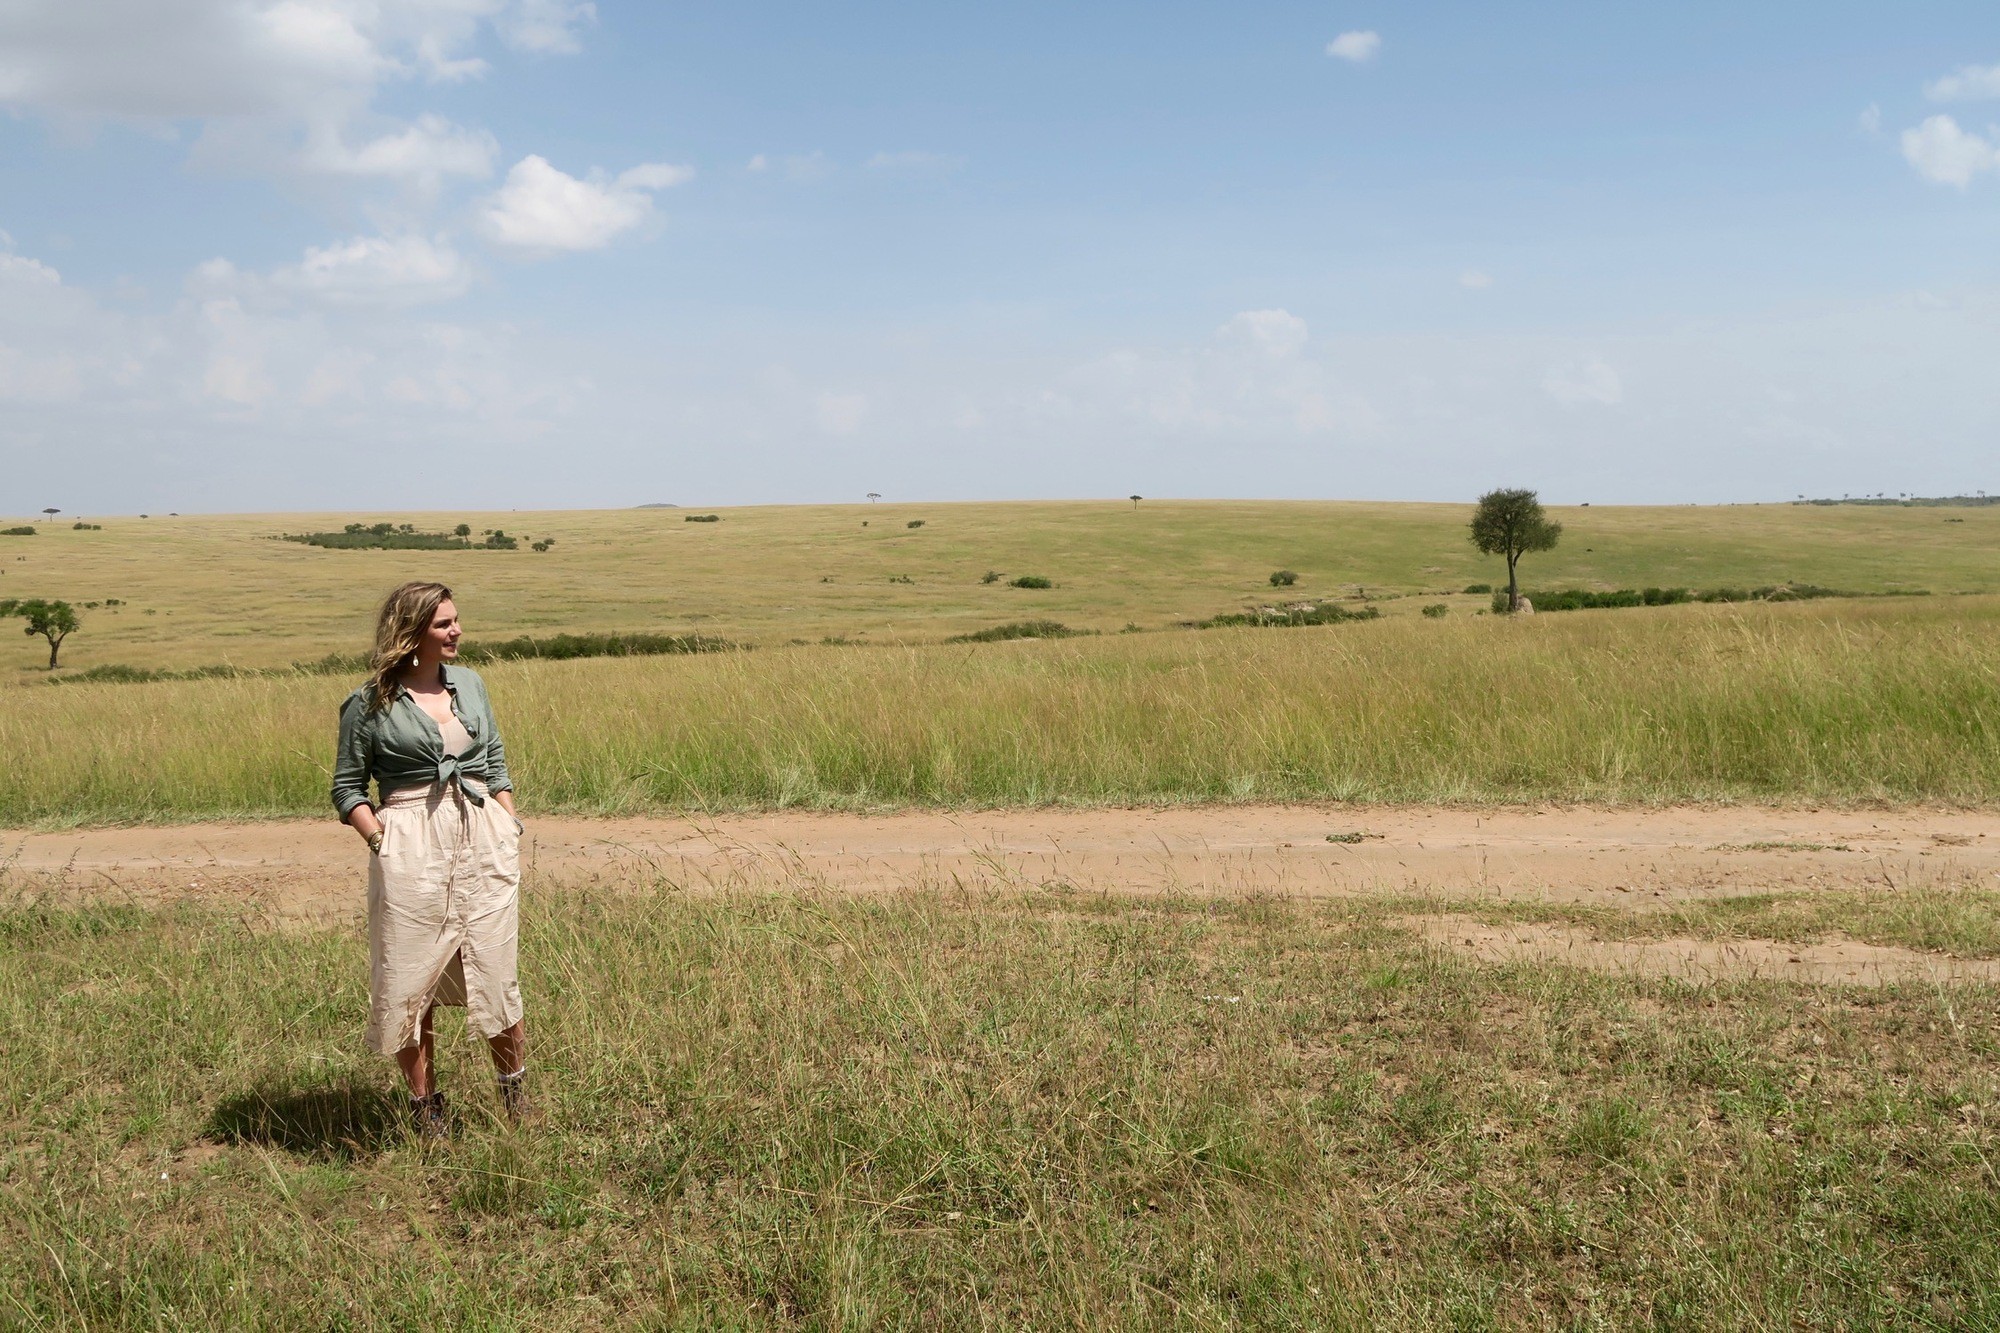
(1284,578)
(1436,609)
(384,537)
(562,647)
(87,527)
(990,576)
(710,518)
(1472,589)
(901,578)
(1030,581)
(500,541)
(914,523)
(1019,629)
(23,531)
(538,546)
(1326,613)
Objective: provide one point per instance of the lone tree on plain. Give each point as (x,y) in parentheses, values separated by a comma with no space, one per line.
(1511,523)
(54,621)
(1136,499)
(873,496)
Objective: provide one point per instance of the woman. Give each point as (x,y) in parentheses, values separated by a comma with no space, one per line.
(445,867)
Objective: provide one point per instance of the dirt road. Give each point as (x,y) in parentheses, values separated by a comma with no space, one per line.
(1566,854)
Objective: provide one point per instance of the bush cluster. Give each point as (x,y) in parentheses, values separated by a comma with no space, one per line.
(400,537)
(556,648)
(1436,610)
(1284,578)
(23,531)
(710,518)
(1326,613)
(1019,629)
(1030,581)
(1581,599)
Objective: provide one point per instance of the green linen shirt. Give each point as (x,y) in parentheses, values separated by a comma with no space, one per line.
(402,747)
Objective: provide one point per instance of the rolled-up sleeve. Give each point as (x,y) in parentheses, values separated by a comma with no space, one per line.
(350,760)
(497,779)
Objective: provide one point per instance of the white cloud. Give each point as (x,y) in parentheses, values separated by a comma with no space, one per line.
(1942,152)
(1585,380)
(546,26)
(277,85)
(422,153)
(540,210)
(339,376)
(1355,47)
(841,413)
(1274,332)
(20,268)
(1869,122)
(1255,379)
(1475,279)
(813,166)
(654,176)
(29,377)
(378,270)
(178,59)
(915,162)
(1967,83)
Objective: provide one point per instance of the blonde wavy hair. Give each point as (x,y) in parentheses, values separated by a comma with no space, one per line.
(406,615)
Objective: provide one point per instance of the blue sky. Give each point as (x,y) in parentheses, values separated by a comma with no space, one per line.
(393,254)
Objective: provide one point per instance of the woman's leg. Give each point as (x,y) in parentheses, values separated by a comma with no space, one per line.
(510,1048)
(416,1060)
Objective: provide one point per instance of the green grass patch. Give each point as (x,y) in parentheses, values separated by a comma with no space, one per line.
(958,1111)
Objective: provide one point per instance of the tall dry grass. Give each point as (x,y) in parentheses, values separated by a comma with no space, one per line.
(1847,702)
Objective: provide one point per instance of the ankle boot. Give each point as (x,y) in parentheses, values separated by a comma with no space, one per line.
(428,1118)
(514,1095)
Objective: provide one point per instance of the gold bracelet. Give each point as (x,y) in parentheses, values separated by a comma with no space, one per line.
(375,842)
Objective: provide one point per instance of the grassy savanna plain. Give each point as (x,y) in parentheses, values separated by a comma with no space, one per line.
(773,1104)
(200,591)
(967,1107)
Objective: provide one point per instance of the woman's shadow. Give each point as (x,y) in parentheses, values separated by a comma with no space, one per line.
(341,1121)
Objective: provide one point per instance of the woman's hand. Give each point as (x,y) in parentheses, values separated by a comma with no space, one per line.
(363,821)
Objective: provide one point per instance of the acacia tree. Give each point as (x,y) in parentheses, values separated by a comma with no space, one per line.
(1511,523)
(1136,499)
(54,621)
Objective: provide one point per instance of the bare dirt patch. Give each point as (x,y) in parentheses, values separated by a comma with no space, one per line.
(1841,961)
(1568,854)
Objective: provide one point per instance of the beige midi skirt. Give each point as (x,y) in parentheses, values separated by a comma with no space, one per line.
(443,915)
